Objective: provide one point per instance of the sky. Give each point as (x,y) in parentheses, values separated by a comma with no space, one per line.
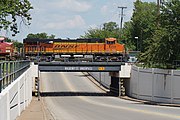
(72,18)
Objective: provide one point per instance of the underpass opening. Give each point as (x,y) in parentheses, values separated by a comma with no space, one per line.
(81,67)
(71,92)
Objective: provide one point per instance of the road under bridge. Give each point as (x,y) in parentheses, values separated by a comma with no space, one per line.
(112,67)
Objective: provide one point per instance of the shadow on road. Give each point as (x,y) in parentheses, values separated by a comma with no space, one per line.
(85,75)
(52,94)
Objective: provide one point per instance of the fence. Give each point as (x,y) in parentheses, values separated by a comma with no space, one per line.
(17,95)
(11,70)
(158,85)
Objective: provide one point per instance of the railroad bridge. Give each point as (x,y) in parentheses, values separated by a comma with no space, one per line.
(112,67)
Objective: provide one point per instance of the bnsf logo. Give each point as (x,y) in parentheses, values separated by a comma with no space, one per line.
(60,47)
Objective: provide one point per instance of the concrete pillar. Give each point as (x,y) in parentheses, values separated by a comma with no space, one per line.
(114,87)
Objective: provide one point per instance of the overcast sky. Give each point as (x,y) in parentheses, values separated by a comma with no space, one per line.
(71,18)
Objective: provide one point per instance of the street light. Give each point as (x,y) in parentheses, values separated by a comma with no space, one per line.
(136,43)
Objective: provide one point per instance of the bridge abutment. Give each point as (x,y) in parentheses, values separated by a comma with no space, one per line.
(114,86)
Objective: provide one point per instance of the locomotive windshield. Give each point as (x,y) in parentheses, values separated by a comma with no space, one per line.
(110,40)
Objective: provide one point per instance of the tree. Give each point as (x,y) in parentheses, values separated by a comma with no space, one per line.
(110,26)
(109,29)
(41,36)
(164,43)
(17,44)
(144,23)
(127,34)
(8,40)
(12,11)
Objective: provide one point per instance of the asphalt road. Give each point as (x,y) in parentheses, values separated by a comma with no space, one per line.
(71,96)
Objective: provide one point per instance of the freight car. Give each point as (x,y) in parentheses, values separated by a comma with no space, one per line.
(6,49)
(107,49)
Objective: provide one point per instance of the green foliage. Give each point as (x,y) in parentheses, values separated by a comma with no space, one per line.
(12,11)
(164,43)
(108,30)
(142,25)
(41,36)
(17,44)
(8,40)
(127,33)
(158,33)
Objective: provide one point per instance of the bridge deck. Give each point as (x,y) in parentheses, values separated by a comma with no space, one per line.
(80,66)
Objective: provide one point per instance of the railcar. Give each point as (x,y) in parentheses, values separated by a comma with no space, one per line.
(6,49)
(97,49)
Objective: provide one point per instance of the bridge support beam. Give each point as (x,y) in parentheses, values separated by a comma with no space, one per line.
(114,87)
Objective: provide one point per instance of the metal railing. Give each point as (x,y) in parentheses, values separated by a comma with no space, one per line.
(10,71)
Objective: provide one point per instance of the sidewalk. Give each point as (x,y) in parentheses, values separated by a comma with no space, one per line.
(35,111)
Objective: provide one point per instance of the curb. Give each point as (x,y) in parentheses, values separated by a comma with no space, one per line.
(149,102)
(127,97)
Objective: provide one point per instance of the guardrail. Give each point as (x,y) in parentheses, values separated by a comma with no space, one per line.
(11,70)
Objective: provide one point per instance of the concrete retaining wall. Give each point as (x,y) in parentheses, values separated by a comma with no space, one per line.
(154,84)
(17,96)
(102,77)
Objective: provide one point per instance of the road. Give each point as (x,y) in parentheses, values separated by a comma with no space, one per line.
(72,96)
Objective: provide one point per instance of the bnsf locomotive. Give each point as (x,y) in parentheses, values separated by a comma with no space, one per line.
(96,49)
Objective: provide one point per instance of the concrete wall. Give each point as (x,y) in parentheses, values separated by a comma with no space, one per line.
(154,84)
(17,96)
(105,77)
(102,77)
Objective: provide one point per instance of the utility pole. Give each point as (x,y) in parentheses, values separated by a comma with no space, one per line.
(121,16)
(121,21)
(159,3)
(158,7)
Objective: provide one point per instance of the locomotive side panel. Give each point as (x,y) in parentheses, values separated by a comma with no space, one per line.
(102,48)
(67,47)
(80,47)
(49,48)
(89,48)
(120,48)
(95,48)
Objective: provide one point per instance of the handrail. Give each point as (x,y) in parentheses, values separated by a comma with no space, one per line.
(10,71)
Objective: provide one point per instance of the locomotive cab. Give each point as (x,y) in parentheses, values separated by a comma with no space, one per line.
(111,41)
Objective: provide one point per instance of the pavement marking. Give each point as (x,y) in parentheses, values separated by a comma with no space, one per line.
(130,109)
(118,107)
(69,85)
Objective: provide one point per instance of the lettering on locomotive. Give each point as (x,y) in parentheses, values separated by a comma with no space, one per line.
(64,46)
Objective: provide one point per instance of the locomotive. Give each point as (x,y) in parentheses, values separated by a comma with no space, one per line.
(6,49)
(107,49)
